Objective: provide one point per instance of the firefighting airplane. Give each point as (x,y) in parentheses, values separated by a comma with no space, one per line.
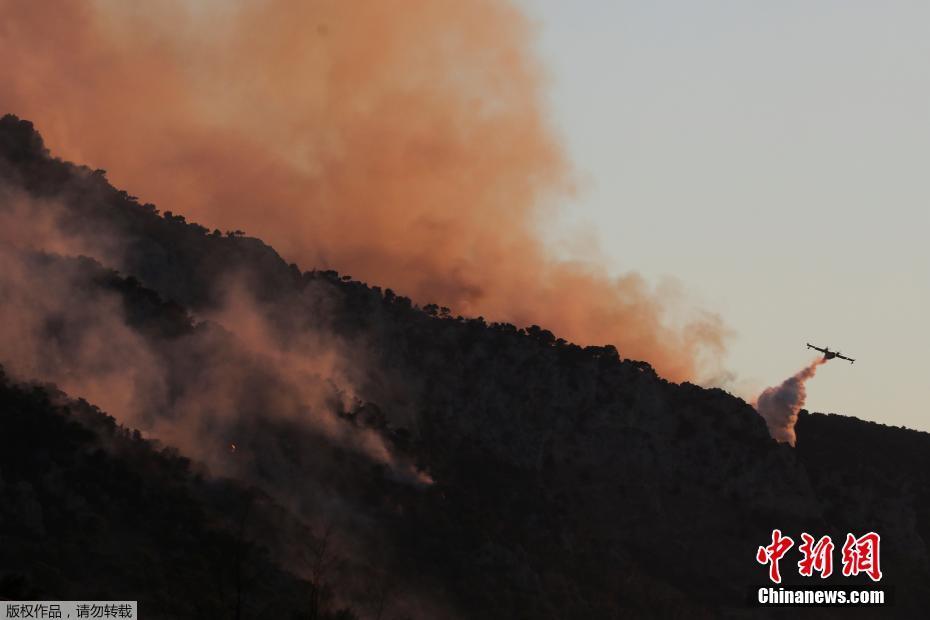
(829,355)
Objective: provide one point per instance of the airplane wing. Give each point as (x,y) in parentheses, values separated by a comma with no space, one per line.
(810,346)
(843,357)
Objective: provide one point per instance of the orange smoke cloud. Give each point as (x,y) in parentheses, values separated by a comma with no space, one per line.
(403,143)
(779,406)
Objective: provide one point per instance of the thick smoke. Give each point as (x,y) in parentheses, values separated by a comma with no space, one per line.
(234,376)
(200,390)
(779,406)
(401,142)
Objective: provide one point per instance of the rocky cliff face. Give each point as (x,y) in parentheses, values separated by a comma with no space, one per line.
(410,463)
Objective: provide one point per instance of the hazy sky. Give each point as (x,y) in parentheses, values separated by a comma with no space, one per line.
(775,158)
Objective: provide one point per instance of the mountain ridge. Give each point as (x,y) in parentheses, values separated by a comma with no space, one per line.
(563,481)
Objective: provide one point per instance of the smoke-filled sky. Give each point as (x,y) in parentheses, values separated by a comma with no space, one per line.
(733,167)
(405,143)
(774,158)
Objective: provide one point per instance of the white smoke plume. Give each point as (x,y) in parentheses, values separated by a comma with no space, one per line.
(779,405)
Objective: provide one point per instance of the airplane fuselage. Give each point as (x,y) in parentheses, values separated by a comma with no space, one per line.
(829,355)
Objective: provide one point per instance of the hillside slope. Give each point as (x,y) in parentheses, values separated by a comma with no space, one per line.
(92,511)
(458,468)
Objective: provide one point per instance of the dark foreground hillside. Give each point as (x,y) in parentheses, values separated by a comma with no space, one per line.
(441,467)
(91,510)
